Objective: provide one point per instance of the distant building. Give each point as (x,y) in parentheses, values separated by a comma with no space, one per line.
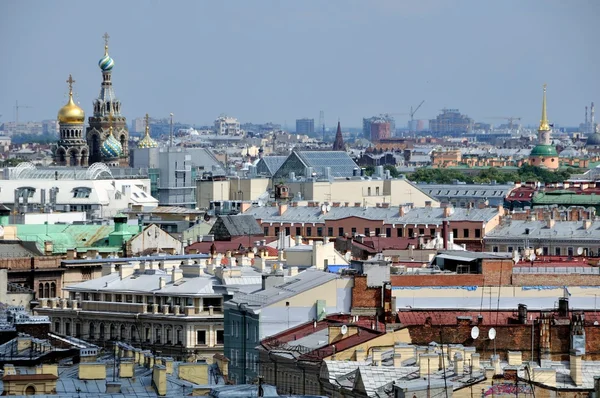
(225,125)
(305,126)
(367,124)
(451,121)
(338,143)
(380,129)
(468,195)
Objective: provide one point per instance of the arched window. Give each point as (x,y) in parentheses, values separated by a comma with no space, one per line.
(30,390)
(41,291)
(92,333)
(53,289)
(369,191)
(123,333)
(46,290)
(133,332)
(101,337)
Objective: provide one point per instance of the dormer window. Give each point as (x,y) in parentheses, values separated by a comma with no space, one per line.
(81,192)
(26,192)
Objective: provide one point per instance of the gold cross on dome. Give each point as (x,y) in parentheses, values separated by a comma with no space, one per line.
(70,81)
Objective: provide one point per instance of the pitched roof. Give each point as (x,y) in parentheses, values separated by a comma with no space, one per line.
(239,225)
(270,164)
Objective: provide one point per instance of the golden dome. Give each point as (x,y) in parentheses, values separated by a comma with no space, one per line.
(71,113)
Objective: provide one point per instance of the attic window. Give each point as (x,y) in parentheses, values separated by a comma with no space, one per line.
(136,195)
(81,193)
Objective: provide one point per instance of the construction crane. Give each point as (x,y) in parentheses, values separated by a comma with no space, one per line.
(510,119)
(17,107)
(412,113)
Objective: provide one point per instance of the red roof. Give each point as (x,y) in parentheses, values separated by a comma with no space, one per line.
(222,246)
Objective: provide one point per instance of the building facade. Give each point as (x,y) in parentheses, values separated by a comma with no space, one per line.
(72,149)
(305,126)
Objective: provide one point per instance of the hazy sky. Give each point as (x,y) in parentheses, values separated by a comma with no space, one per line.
(282,60)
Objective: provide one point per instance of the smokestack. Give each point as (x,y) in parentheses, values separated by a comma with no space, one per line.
(445,234)
(592,121)
(586,125)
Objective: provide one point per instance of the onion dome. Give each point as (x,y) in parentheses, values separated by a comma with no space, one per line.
(106,63)
(147,141)
(111,147)
(71,113)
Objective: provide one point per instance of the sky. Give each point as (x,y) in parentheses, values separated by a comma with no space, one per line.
(279,61)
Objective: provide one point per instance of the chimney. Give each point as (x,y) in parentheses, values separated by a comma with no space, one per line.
(176,274)
(125,270)
(161,282)
(575,364)
(475,364)
(587,224)
(550,223)
(428,364)
(459,364)
(495,359)
(293,271)
(108,268)
(376,356)
(515,358)
(401,211)
(448,211)
(282,208)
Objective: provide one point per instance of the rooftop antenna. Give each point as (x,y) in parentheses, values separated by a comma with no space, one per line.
(171,131)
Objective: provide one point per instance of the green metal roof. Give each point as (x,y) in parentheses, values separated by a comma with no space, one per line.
(544,150)
(564,198)
(69,236)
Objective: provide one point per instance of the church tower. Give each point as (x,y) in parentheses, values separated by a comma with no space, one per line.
(544,154)
(107,115)
(338,143)
(71,149)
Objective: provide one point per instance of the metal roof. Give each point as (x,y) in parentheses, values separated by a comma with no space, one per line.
(563,230)
(270,164)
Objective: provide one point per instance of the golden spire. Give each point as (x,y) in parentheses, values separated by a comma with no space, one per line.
(106,37)
(544,125)
(147,118)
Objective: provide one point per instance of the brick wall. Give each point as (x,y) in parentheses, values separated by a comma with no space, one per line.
(364,296)
(437,280)
(555,280)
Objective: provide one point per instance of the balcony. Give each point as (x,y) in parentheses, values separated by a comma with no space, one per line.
(104,306)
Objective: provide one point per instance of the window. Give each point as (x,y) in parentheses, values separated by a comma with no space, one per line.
(118,298)
(340,231)
(432,232)
(388,232)
(329,231)
(377,191)
(276,231)
(287,231)
(353,230)
(298,231)
(128,298)
(308,231)
(455,233)
(570,251)
(81,193)
(465,233)
(557,251)
(410,233)
(495,249)
(477,233)
(266,231)
(545,251)
(220,336)
(509,249)
(367,232)
(421,231)
(139,299)
(377,231)
(369,191)
(400,232)
(319,231)
(200,337)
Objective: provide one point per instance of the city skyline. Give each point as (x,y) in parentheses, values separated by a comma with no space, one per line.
(349,59)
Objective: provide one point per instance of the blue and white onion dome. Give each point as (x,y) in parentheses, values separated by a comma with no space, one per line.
(106,63)
(111,147)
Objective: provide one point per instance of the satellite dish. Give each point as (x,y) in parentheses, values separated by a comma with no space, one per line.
(323,208)
(474,332)
(539,251)
(328,207)
(492,334)
(579,251)
(206,217)
(344,329)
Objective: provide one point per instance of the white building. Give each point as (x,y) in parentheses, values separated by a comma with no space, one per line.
(173,304)
(225,125)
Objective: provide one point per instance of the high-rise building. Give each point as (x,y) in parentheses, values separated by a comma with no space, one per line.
(72,149)
(305,126)
(225,125)
(451,121)
(107,115)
